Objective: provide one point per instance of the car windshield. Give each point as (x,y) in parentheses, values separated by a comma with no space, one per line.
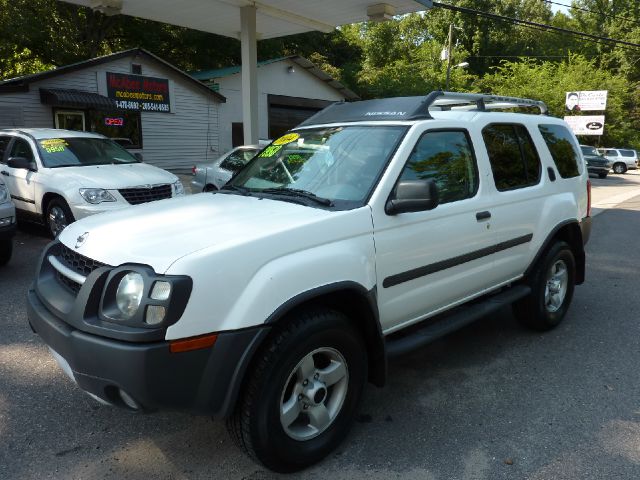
(238,159)
(589,150)
(339,164)
(82,151)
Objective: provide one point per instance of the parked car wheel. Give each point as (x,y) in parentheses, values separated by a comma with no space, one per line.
(552,283)
(619,168)
(59,216)
(602,175)
(302,393)
(209,188)
(6,249)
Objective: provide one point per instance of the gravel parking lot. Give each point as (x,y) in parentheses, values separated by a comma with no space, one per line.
(492,401)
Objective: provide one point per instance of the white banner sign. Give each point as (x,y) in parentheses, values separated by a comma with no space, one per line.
(586,101)
(587,125)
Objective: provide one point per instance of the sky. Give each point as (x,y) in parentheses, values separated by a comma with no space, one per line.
(556,8)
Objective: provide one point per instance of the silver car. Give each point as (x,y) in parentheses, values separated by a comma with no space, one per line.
(7,224)
(208,177)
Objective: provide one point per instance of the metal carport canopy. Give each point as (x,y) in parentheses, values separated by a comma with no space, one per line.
(250,21)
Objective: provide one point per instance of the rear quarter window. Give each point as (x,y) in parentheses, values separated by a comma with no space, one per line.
(628,153)
(563,148)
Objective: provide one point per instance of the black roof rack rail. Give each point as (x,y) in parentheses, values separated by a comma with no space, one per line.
(414,108)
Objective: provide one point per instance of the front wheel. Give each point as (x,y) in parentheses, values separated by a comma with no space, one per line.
(602,175)
(6,249)
(552,283)
(301,395)
(58,217)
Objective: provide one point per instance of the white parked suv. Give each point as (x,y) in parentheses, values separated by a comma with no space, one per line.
(59,176)
(370,230)
(623,159)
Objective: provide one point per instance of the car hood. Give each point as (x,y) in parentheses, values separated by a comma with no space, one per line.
(159,233)
(117,176)
(596,159)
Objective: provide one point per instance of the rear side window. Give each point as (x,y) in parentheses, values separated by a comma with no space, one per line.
(563,149)
(628,153)
(237,160)
(4,143)
(514,159)
(447,158)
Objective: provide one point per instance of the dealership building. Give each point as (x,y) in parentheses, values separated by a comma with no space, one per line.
(151,107)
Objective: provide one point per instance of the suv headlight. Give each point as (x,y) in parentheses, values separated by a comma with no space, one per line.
(4,194)
(137,296)
(178,188)
(96,195)
(129,294)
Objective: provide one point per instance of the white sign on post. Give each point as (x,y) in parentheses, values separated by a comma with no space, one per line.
(586,125)
(585,101)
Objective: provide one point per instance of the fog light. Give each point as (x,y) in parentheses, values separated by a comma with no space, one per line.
(155,314)
(161,291)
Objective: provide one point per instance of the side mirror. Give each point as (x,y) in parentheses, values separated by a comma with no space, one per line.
(21,162)
(412,196)
(138,155)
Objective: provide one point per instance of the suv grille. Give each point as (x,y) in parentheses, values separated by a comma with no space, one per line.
(136,196)
(78,263)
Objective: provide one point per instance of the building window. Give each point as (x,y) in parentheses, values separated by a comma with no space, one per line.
(70,120)
(136,69)
(122,127)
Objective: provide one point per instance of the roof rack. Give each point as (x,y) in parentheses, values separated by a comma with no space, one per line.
(483,101)
(415,108)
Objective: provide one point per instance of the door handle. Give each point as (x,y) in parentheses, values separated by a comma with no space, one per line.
(483,215)
(6,174)
(552,174)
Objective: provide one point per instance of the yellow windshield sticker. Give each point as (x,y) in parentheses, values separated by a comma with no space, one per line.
(53,145)
(288,138)
(270,151)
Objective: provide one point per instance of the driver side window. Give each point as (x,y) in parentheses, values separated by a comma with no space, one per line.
(21,148)
(447,158)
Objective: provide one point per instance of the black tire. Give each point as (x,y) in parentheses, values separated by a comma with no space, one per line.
(537,310)
(209,188)
(58,216)
(256,425)
(619,168)
(6,249)
(602,175)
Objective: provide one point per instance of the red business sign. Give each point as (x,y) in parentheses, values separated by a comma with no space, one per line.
(136,92)
(114,121)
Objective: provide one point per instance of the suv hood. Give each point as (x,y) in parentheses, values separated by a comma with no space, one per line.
(113,177)
(159,233)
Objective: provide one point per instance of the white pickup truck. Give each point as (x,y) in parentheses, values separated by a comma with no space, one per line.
(370,230)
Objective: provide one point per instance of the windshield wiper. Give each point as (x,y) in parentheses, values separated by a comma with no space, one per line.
(236,188)
(295,192)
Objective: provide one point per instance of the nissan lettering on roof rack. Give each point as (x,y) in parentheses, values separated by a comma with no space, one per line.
(371,230)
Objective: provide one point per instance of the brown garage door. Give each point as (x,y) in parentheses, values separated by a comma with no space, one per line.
(287,112)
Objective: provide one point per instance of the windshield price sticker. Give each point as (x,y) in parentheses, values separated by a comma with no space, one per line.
(270,151)
(288,138)
(53,145)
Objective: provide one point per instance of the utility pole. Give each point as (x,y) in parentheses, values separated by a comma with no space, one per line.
(449,48)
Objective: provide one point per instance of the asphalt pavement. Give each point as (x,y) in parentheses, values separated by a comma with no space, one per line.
(491,401)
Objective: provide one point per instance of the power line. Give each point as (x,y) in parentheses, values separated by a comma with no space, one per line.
(536,25)
(591,11)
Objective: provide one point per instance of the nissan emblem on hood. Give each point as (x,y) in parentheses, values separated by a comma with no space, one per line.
(81,239)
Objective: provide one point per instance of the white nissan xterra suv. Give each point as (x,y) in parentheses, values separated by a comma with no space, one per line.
(370,230)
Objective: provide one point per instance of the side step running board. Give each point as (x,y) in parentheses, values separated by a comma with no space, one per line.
(440,326)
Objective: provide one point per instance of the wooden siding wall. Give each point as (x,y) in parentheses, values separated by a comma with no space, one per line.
(173,141)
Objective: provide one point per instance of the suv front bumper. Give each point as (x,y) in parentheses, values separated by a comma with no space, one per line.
(201,381)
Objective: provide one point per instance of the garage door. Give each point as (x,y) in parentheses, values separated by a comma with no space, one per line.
(287,112)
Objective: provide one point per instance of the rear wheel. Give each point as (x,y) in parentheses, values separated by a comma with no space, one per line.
(6,249)
(619,167)
(552,283)
(58,216)
(302,393)
(209,188)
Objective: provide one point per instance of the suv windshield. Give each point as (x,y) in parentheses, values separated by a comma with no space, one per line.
(82,151)
(589,150)
(340,164)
